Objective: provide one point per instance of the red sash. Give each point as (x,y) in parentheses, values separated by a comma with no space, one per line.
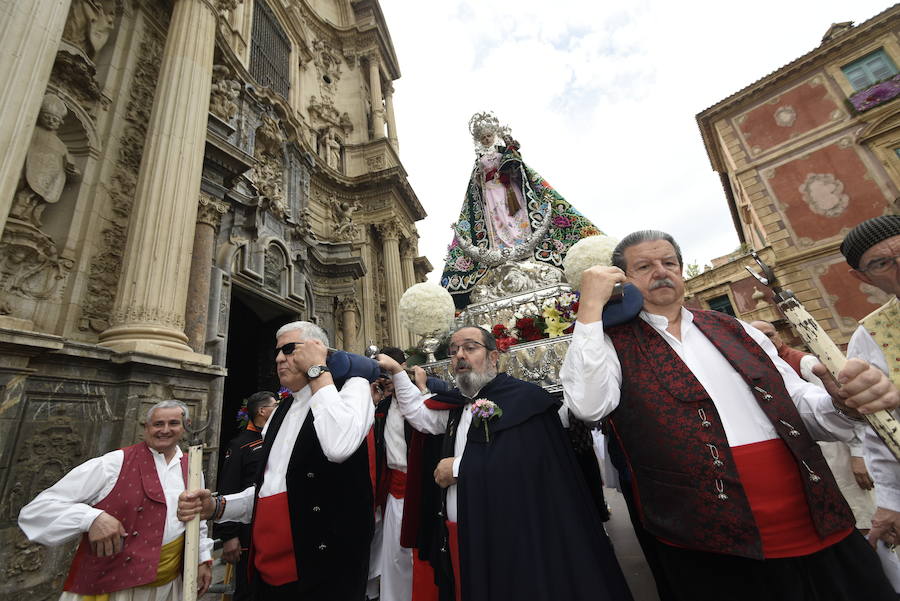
(273,541)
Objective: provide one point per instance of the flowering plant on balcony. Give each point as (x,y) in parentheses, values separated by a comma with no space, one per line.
(875,95)
(555,317)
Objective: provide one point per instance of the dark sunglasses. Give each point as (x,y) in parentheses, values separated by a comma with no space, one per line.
(287,349)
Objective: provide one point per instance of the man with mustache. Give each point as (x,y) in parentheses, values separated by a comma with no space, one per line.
(521,524)
(720,436)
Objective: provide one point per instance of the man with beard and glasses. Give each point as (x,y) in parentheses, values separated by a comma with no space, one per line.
(719,433)
(520,520)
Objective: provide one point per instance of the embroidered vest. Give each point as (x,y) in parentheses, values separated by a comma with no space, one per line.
(668,426)
(138,502)
(884,326)
(330,509)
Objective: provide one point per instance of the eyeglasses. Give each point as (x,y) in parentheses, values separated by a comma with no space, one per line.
(287,349)
(469,346)
(880,265)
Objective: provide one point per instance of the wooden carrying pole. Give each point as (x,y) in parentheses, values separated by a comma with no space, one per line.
(821,345)
(192,528)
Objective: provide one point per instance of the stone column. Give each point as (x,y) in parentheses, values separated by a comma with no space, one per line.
(29,38)
(196,311)
(389,110)
(390,239)
(148,315)
(407,255)
(377,102)
(349,307)
(367,328)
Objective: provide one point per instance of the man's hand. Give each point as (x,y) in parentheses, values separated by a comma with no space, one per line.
(231,550)
(597,284)
(204,578)
(377,391)
(310,352)
(106,535)
(886,526)
(862,387)
(192,502)
(421,378)
(861,473)
(443,473)
(387,363)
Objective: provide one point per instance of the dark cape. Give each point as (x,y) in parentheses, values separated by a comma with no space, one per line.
(528,528)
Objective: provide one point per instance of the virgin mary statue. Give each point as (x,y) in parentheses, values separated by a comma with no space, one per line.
(510,214)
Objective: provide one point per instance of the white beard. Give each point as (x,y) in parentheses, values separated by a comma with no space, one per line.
(470,383)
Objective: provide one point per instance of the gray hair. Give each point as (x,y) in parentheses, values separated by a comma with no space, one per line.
(170,404)
(308,331)
(639,237)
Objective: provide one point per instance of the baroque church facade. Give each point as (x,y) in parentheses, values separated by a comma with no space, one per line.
(178,178)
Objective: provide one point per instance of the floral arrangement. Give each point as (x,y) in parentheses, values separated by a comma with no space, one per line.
(242,416)
(555,317)
(484,411)
(426,309)
(876,94)
(587,252)
(283,393)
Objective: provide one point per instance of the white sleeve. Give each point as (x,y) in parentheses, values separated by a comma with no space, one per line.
(885,471)
(813,403)
(64,511)
(239,506)
(863,346)
(412,404)
(395,438)
(591,375)
(806,370)
(342,419)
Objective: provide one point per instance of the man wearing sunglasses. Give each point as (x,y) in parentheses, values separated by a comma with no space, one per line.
(872,250)
(311,506)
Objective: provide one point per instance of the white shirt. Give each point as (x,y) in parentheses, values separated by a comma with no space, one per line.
(342,421)
(592,376)
(412,404)
(880,461)
(395,438)
(65,510)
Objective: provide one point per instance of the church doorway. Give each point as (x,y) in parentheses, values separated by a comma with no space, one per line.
(252,324)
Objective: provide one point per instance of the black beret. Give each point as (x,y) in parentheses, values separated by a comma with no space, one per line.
(866,235)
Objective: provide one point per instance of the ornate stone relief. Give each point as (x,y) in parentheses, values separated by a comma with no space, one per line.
(375,163)
(349,303)
(268,174)
(89,24)
(273,270)
(329,148)
(785,116)
(824,194)
(389,230)
(30,266)
(106,264)
(224,93)
(328,66)
(342,213)
(210,211)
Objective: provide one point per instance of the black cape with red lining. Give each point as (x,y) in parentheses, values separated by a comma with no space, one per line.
(528,527)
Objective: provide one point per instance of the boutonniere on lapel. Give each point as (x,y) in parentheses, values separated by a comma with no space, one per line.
(484,411)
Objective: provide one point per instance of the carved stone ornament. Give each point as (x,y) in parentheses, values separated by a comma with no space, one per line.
(78,77)
(349,303)
(389,230)
(29,263)
(210,210)
(268,174)
(224,93)
(48,165)
(513,278)
(785,116)
(303,227)
(824,193)
(89,24)
(342,213)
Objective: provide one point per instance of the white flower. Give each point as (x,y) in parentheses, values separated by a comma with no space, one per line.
(587,252)
(426,309)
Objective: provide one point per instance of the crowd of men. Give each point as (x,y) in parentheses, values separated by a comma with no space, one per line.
(476,492)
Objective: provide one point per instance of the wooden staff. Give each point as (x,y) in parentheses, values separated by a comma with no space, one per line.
(192,528)
(823,347)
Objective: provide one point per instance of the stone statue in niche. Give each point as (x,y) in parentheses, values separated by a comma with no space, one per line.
(223,93)
(48,165)
(89,24)
(342,211)
(331,149)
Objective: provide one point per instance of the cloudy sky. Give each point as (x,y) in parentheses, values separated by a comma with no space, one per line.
(601,95)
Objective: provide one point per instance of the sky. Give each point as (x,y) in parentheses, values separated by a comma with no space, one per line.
(602,96)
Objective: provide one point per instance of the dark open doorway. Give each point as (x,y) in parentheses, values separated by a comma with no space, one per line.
(252,324)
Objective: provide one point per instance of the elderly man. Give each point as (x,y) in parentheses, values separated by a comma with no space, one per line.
(872,250)
(123,506)
(515,496)
(311,507)
(719,433)
(242,460)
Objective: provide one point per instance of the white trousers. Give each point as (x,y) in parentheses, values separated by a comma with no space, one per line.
(166,592)
(396,561)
